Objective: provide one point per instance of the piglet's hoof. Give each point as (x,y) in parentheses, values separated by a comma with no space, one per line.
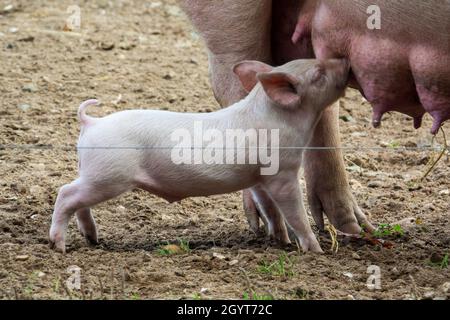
(90,237)
(59,245)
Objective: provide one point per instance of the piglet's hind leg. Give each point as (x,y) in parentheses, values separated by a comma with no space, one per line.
(86,225)
(77,197)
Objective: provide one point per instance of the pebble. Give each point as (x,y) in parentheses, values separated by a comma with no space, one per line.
(35,190)
(24,107)
(155,5)
(233,262)
(22,257)
(173,10)
(126,45)
(8,8)
(168,76)
(30,87)
(348,275)
(147,257)
(27,39)
(356,256)
(107,46)
(180,274)
(347,118)
(218,256)
(446,287)
(375,184)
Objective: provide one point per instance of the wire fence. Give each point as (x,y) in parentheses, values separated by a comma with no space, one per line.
(343,148)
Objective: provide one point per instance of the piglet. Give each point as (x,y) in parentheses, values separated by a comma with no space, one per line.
(165,154)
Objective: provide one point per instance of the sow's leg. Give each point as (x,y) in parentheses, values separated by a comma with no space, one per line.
(234,32)
(327,183)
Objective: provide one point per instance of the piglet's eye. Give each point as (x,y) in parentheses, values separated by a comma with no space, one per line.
(319,75)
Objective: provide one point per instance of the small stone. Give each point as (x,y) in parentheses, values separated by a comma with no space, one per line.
(347,118)
(446,287)
(168,76)
(375,184)
(218,256)
(348,275)
(126,46)
(173,10)
(30,87)
(27,39)
(154,5)
(35,190)
(8,8)
(107,46)
(354,168)
(146,258)
(356,256)
(24,107)
(22,257)
(233,262)
(180,274)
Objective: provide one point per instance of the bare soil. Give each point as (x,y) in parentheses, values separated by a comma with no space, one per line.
(142,54)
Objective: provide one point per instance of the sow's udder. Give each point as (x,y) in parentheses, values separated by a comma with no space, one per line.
(411,80)
(409,73)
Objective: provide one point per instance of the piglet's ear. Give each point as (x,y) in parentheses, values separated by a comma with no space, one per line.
(281,88)
(247,71)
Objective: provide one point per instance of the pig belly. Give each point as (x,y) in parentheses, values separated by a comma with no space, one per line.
(402,67)
(175,183)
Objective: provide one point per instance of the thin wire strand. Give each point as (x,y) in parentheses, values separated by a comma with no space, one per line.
(344,148)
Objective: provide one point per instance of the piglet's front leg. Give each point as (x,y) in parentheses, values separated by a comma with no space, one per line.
(285,190)
(270,214)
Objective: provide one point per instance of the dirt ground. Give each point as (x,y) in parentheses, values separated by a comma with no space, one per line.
(142,54)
